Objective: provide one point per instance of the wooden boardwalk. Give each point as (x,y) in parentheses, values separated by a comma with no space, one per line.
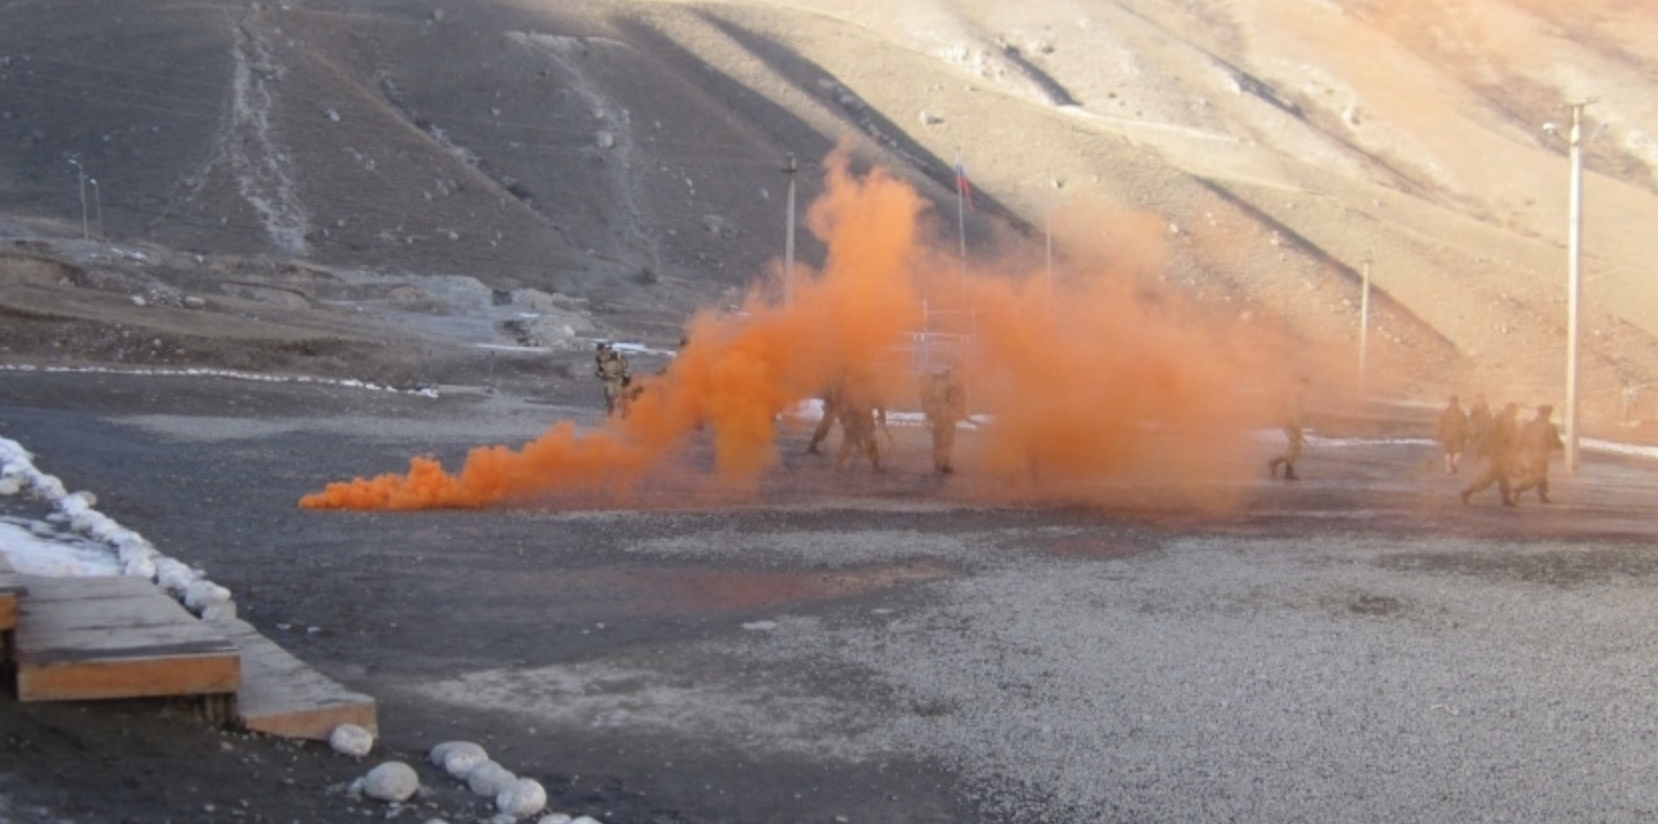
(83,638)
(12,591)
(115,637)
(283,695)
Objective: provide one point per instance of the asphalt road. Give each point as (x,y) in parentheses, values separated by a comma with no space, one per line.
(1355,647)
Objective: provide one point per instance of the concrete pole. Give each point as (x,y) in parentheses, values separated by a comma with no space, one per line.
(98,205)
(80,174)
(1574,287)
(790,167)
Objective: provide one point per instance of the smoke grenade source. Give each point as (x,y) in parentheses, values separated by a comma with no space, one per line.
(1104,378)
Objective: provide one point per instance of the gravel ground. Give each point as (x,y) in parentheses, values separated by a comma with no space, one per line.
(1358,647)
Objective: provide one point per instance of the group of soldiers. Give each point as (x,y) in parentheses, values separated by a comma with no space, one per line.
(1515,456)
(850,402)
(856,407)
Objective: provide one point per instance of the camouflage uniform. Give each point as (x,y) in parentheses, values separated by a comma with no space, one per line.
(856,412)
(1538,440)
(1497,446)
(827,421)
(611,368)
(1453,434)
(1294,437)
(944,401)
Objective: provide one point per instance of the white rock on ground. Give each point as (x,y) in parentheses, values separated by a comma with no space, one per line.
(553,818)
(489,779)
(521,799)
(352,740)
(459,759)
(200,594)
(391,781)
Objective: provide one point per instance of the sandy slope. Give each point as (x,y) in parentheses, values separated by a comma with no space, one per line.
(627,153)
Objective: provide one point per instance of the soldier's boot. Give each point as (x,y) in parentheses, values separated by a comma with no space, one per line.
(1272,466)
(1289,473)
(1464,494)
(1509,501)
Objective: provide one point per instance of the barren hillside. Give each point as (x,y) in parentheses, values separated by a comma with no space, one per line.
(624,158)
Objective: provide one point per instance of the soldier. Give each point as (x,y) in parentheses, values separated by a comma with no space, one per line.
(830,397)
(1453,434)
(1497,447)
(855,409)
(1294,437)
(1538,440)
(611,368)
(944,402)
(1479,421)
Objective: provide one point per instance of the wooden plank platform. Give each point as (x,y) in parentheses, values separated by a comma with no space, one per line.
(12,590)
(282,695)
(80,638)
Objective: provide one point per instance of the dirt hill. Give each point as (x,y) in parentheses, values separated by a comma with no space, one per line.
(606,168)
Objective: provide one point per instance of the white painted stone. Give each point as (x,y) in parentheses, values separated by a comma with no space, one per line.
(461,758)
(523,798)
(391,781)
(352,740)
(489,779)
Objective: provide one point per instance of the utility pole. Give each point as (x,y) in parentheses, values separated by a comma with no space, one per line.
(80,174)
(1364,327)
(98,205)
(961,210)
(789,168)
(1574,286)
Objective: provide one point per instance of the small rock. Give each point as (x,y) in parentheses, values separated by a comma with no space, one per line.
(489,779)
(554,818)
(391,781)
(352,740)
(460,759)
(521,799)
(224,611)
(200,594)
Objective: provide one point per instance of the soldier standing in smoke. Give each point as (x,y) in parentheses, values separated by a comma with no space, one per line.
(611,368)
(1539,438)
(1294,437)
(855,408)
(1453,434)
(944,402)
(830,401)
(1497,446)
(1479,422)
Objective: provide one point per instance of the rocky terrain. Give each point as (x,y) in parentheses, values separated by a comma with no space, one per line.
(619,165)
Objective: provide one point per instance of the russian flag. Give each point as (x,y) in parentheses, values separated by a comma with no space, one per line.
(963,188)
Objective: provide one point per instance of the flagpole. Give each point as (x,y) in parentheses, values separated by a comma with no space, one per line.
(961,212)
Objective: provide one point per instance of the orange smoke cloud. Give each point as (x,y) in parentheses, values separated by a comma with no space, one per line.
(1100,376)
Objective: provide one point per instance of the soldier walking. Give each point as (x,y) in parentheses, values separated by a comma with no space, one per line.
(831,403)
(1539,438)
(1497,446)
(943,402)
(855,408)
(1294,437)
(1453,434)
(611,368)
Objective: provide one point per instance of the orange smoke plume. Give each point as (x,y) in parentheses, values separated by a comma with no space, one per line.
(1098,376)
